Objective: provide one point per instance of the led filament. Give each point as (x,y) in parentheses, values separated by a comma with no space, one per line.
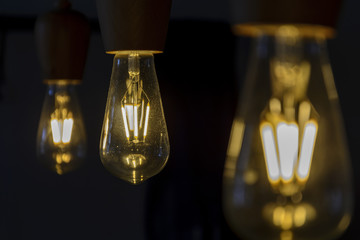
(61,130)
(281,164)
(289,126)
(287,151)
(135,105)
(61,122)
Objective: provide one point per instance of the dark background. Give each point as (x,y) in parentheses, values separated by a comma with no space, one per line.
(203,65)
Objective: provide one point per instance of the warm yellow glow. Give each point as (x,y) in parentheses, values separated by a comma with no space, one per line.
(304,112)
(236,138)
(135,101)
(283,155)
(250,177)
(136,127)
(329,81)
(125,123)
(234,147)
(289,80)
(58,169)
(136,177)
(130,115)
(146,119)
(134,160)
(278,216)
(288,131)
(67,130)
(275,106)
(55,129)
(307,148)
(106,131)
(61,130)
(305,30)
(289,127)
(344,223)
(286,235)
(287,140)
(299,216)
(270,153)
(142,114)
(62,158)
(289,216)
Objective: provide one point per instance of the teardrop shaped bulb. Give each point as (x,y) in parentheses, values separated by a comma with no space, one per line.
(288,174)
(61,140)
(134,142)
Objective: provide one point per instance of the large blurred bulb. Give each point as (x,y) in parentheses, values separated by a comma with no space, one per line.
(287,174)
(61,141)
(134,142)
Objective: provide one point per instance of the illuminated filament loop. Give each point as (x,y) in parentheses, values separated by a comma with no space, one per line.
(288,144)
(61,128)
(135,105)
(283,158)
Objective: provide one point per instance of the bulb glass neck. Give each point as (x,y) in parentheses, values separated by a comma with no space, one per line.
(62,82)
(290,57)
(304,30)
(128,52)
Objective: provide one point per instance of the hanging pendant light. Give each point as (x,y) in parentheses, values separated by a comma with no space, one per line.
(62,38)
(287,174)
(134,144)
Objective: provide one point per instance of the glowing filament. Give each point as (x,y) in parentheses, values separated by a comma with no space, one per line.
(61,130)
(282,155)
(136,120)
(142,113)
(136,129)
(270,152)
(130,114)
(307,148)
(125,123)
(67,130)
(287,136)
(55,129)
(146,119)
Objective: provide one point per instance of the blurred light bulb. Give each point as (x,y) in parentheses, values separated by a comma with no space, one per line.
(61,141)
(287,174)
(134,143)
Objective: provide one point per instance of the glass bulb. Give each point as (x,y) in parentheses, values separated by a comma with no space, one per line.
(134,141)
(61,140)
(287,174)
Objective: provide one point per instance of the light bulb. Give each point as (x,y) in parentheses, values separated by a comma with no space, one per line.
(61,140)
(134,142)
(287,174)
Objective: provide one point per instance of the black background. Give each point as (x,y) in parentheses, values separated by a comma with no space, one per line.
(200,74)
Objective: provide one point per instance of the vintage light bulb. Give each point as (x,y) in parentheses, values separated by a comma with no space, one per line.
(134,142)
(62,38)
(287,174)
(61,140)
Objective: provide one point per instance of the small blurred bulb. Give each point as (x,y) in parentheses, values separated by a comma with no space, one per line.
(61,140)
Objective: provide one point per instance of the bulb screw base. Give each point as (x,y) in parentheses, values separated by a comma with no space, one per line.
(133,24)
